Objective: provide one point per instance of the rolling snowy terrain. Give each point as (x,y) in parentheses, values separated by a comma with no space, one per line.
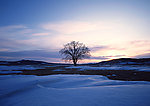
(87,89)
(71,90)
(135,68)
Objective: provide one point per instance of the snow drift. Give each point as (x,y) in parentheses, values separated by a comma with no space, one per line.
(72,90)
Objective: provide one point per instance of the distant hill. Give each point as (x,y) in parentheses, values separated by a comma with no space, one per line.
(23,62)
(28,62)
(126,61)
(120,61)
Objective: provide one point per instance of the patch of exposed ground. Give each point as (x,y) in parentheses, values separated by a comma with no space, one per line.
(126,75)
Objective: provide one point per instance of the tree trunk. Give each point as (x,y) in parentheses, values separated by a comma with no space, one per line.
(75,63)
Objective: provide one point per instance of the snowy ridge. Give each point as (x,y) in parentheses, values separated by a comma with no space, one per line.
(126,61)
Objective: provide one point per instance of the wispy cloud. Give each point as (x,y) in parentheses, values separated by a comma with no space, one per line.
(20,37)
(97,48)
(33,54)
(12,27)
(99,58)
(138,47)
(14,31)
(40,34)
(140,42)
(10,44)
(54,35)
(71,27)
(106,57)
(145,55)
(3,49)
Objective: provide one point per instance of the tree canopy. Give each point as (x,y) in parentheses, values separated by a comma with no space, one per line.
(75,51)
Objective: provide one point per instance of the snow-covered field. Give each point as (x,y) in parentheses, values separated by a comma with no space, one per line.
(136,68)
(5,69)
(71,90)
(8,69)
(20,67)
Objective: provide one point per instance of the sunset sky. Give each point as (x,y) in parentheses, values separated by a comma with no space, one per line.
(38,29)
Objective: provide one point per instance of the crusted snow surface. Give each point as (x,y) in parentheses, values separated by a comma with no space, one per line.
(138,68)
(71,90)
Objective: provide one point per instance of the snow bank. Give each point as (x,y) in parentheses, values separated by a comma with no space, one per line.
(20,67)
(9,72)
(82,68)
(72,90)
(58,70)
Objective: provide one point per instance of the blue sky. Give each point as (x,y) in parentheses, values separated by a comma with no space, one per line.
(110,28)
(33,12)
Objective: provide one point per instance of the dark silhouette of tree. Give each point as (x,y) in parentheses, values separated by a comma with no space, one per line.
(75,51)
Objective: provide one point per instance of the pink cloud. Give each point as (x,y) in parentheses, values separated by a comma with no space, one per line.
(40,34)
(140,42)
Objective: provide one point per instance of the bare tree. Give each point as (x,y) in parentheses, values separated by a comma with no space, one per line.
(75,51)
